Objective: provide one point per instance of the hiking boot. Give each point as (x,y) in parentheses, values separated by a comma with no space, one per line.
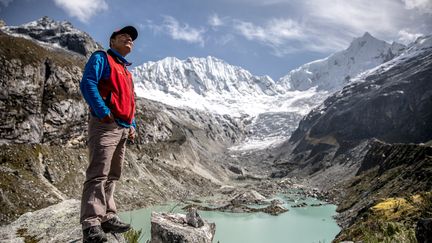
(114,225)
(94,234)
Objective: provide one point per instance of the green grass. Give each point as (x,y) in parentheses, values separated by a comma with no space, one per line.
(133,236)
(387,232)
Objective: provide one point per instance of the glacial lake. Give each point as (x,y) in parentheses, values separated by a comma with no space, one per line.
(310,224)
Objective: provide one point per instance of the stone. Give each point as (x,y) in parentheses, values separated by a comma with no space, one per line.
(275,209)
(248,197)
(300,205)
(236,169)
(193,218)
(276,202)
(170,228)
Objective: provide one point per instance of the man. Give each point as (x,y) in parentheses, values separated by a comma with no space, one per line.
(108,89)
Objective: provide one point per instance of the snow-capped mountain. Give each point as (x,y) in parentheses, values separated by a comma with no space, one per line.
(55,33)
(276,107)
(203,76)
(218,87)
(205,83)
(336,71)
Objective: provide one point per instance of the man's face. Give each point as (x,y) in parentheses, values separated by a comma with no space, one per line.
(122,43)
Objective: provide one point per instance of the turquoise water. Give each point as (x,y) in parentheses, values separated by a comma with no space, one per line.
(298,225)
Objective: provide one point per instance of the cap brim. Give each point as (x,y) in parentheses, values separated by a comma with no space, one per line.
(130,30)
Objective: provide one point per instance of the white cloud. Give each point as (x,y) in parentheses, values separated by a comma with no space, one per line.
(424,6)
(406,37)
(82,9)
(275,33)
(320,26)
(215,21)
(355,17)
(285,36)
(178,31)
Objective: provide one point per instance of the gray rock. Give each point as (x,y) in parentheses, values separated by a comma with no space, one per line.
(170,228)
(275,202)
(40,101)
(193,218)
(248,197)
(236,169)
(57,223)
(274,209)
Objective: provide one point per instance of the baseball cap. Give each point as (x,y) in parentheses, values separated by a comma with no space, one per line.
(126,30)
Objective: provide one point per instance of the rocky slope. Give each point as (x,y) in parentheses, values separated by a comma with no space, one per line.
(391,103)
(389,194)
(43,156)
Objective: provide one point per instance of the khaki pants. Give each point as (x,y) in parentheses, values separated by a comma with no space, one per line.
(107,145)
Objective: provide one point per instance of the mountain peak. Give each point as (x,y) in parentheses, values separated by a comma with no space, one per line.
(366,40)
(367,35)
(45,20)
(56,33)
(335,71)
(201,82)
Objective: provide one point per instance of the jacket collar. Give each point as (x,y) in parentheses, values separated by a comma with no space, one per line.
(119,57)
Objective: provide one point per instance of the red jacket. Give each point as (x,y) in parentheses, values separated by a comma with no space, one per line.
(118,90)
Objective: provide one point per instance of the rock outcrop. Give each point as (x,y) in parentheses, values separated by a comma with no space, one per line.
(40,101)
(57,223)
(173,228)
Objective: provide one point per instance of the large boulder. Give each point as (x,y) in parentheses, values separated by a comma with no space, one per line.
(170,228)
(248,197)
(57,223)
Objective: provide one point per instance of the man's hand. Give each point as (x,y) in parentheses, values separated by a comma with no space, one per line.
(131,133)
(108,119)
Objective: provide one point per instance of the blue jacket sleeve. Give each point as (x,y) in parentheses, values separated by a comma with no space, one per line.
(96,68)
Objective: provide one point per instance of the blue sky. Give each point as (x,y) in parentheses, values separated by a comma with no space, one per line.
(266,37)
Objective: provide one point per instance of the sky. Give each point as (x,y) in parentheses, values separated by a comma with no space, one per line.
(266,37)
